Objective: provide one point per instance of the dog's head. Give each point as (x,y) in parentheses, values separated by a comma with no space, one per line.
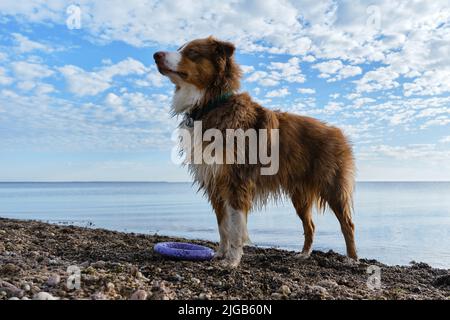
(207,64)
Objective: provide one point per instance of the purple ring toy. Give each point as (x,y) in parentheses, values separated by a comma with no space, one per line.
(184,251)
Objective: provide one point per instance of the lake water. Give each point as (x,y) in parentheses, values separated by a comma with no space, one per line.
(396,222)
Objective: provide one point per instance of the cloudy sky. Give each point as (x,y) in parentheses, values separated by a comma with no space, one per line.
(80,98)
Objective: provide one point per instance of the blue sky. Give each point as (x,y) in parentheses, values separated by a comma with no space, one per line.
(86,103)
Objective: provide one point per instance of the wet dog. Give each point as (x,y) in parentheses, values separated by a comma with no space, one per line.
(315,160)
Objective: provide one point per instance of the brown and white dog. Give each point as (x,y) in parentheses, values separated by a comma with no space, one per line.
(316,164)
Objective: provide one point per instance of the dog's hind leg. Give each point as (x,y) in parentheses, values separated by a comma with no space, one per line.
(303,206)
(340,201)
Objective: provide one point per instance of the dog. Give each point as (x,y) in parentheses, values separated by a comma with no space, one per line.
(316,163)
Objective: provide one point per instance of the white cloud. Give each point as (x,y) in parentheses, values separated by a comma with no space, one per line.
(337,69)
(433,82)
(277,72)
(306,90)
(83,83)
(247,69)
(279,93)
(26,45)
(30,71)
(380,79)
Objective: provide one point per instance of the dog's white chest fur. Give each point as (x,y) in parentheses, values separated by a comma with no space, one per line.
(186,97)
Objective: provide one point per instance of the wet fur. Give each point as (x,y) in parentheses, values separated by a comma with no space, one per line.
(316,160)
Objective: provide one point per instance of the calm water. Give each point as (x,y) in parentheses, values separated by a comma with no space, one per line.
(396,222)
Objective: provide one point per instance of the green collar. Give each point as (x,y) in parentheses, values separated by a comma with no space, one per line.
(198,113)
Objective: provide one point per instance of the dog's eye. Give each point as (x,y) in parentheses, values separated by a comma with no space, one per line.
(192,54)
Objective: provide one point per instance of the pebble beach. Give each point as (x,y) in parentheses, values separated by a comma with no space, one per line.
(44,261)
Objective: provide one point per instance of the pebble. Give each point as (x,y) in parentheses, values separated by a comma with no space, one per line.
(98,296)
(2,247)
(134,270)
(204,296)
(53,262)
(99,264)
(327,283)
(276,295)
(110,287)
(14,298)
(161,292)
(10,268)
(53,280)
(195,281)
(44,296)
(176,277)
(10,290)
(26,287)
(317,290)
(139,295)
(284,290)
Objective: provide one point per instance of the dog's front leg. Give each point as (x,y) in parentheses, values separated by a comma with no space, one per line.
(235,231)
(222,222)
(224,245)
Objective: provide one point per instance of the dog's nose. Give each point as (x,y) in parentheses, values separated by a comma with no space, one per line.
(158,56)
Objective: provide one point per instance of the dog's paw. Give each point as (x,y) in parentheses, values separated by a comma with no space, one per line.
(351,262)
(229,264)
(219,255)
(303,256)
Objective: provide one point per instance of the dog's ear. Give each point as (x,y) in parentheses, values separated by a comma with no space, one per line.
(225,48)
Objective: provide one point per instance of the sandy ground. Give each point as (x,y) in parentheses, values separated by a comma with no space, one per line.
(35,257)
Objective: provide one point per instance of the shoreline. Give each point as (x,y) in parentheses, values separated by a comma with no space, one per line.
(35,257)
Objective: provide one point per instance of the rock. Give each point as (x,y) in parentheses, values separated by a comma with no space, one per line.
(316,290)
(204,296)
(98,296)
(25,298)
(2,248)
(44,296)
(276,295)
(176,278)
(284,290)
(53,280)
(328,283)
(99,264)
(139,295)
(442,281)
(10,268)
(160,291)
(110,287)
(195,281)
(14,298)
(53,262)
(134,271)
(26,287)
(10,289)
